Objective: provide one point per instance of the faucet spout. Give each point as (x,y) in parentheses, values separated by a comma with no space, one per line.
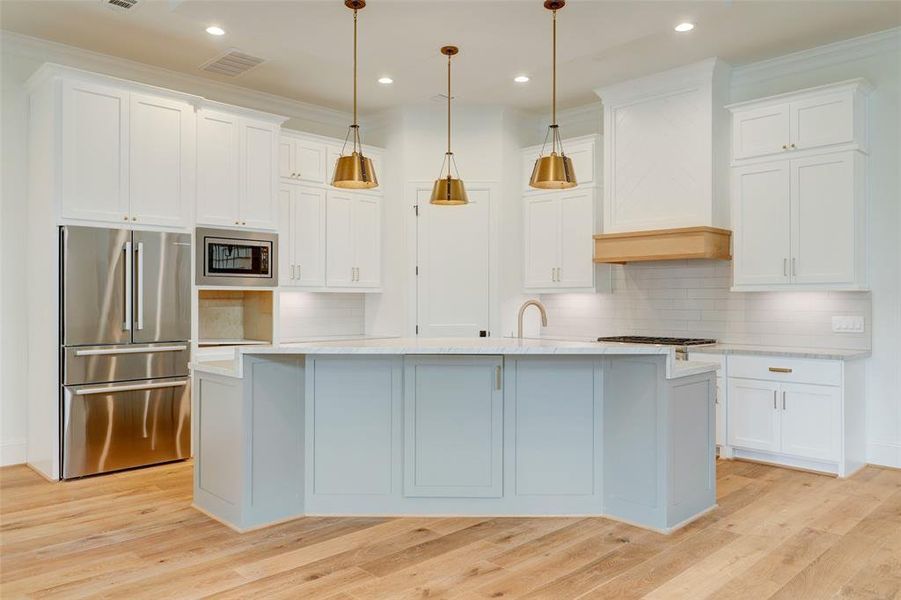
(522,309)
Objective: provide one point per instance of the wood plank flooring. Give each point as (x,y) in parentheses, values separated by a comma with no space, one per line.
(777,534)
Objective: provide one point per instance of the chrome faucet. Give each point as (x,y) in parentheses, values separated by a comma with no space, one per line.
(522,310)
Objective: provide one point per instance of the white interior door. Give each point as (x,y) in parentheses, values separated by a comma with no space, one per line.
(453,283)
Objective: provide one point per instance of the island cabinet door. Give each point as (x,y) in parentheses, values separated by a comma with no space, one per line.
(453,419)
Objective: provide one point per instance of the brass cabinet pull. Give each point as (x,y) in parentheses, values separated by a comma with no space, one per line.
(780,370)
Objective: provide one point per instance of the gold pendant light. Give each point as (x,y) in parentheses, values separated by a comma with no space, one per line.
(449,190)
(354,171)
(554,171)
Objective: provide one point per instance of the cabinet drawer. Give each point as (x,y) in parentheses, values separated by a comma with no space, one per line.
(797,370)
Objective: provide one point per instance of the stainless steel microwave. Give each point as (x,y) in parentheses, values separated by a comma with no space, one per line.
(232,257)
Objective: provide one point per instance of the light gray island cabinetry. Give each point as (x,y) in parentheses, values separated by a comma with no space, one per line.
(455,427)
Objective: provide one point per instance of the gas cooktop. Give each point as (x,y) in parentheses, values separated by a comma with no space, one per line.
(664,341)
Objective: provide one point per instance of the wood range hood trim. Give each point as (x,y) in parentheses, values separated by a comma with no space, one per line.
(663,244)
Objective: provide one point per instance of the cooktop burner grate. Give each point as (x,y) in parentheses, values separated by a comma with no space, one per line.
(664,341)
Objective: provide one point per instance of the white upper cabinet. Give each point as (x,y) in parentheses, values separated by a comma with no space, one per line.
(353,240)
(302,231)
(126,156)
(237,170)
(302,160)
(94,182)
(666,141)
(161,162)
(799,190)
(829,118)
(762,238)
(259,199)
(218,192)
(558,226)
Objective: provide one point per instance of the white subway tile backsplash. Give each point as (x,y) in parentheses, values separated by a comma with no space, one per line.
(693,299)
(311,314)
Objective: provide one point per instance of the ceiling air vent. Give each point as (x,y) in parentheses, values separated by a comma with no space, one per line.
(119,4)
(232,63)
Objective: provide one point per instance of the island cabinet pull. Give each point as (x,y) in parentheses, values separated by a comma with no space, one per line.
(783,399)
(774,399)
(780,370)
(497,377)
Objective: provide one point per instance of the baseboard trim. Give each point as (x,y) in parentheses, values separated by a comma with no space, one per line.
(884,454)
(13,452)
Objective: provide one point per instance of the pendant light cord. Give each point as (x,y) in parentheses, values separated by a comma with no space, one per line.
(554,84)
(449,153)
(356,126)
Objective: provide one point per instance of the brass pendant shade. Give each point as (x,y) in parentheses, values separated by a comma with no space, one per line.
(555,170)
(354,171)
(449,190)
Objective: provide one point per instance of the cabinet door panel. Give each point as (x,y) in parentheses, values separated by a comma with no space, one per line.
(286,234)
(94,152)
(308,237)
(753,414)
(823,244)
(310,161)
(542,240)
(822,121)
(760,131)
(367,227)
(576,268)
(287,158)
(762,214)
(720,412)
(161,160)
(217,169)
(453,410)
(339,239)
(259,201)
(557,426)
(352,415)
(811,420)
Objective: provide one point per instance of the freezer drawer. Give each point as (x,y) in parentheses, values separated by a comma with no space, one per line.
(96,364)
(108,427)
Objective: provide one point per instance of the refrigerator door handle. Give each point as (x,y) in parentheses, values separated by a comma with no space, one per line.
(143,350)
(126,325)
(129,388)
(139,292)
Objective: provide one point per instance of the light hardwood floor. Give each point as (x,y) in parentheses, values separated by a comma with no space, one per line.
(776,534)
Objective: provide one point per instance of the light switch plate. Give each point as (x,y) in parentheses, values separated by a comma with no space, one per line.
(847,324)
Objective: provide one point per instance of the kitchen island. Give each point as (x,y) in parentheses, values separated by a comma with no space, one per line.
(454,427)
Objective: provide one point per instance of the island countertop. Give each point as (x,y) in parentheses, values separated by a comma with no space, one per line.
(461,346)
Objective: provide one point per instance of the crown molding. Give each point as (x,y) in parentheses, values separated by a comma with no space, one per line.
(818,57)
(45,51)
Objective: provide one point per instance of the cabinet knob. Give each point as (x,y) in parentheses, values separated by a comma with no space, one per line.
(243,222)
(134,218)
(793,146)
(784,147)
(237,223)
(125,218)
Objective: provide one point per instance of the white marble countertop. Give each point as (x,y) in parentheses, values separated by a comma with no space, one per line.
(460,346)
(821,353)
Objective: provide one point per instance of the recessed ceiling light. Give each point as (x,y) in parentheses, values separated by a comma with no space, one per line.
(385,80)
(215,30)
(683,27)
(521,78)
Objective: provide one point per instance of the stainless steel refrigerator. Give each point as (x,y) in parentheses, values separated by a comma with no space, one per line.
(125,306)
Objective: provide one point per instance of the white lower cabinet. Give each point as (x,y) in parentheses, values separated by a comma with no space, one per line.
(806,413)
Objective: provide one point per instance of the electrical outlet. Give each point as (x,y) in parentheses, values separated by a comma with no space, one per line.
(847,324)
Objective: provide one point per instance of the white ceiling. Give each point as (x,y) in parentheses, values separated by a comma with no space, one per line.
(307,43)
